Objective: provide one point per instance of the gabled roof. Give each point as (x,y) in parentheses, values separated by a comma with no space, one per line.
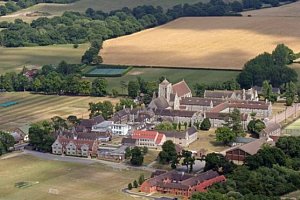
(78,143)
(218,94)
(270,128)
(151,135)
(181,88)
(200,101)
(159,103)
(253,147)
(174,113)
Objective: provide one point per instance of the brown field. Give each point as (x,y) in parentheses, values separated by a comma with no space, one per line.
(66,180)
(204,42)
(289,10)
(34,107)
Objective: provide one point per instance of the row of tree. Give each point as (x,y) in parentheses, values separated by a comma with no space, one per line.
(76,28)
(15,5)
(7,142)
(272,67)
(269,174)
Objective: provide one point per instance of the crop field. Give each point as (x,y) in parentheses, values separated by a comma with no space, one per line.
(191,76)
(33,107)
(61,180)
(14,59)
(289,10)
(203,42)
(82,5)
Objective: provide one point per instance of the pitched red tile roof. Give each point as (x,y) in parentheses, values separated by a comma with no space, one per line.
(181,88)
(137,134)
(159,138)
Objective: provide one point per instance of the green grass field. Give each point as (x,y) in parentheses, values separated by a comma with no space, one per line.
(32,108)
(13,59)
(191,76)
(69,180)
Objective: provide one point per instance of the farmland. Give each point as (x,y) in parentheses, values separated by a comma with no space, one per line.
(13,59)
(32,107)
(69,180)
(204,42)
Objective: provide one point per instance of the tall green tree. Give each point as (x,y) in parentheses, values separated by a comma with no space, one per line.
(133,89)
(137,157)
(99,87)
(168,153)
(225,135)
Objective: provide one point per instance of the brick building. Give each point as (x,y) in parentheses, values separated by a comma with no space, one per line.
(181,184)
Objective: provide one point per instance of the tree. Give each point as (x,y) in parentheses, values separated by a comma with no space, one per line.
(225,135)
(135,184)
(283,55)
(127,103)
(130,186)
(205,124)
(255,126)
(127,153)
(219,163)
(145,150)
(185,125)
(141,179)
(235,122)
(105,108)
(188,160)
(99,87)
(7,142)
(59,123)
(290,93)
(168,153)
(164,126)
(114,93)
(290,145)
(40,136)
(267,90)
(133,89)
(267,156)
(137,157)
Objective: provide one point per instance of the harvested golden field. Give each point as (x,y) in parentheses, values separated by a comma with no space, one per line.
(204,42)
(289,10)
(35,107)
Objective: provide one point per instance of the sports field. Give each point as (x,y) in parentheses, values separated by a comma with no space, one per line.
(31,107)
(204,42)
(61,180)
(191,76)
(14,59)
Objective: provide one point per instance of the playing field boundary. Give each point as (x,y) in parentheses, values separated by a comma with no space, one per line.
(89,69)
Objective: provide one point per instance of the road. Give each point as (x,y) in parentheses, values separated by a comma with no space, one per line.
(87,161)
(290,111)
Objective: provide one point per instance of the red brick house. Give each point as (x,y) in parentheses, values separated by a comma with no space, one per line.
(181,184)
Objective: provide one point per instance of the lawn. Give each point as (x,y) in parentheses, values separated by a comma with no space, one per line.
(14,59)
(32,107)
(204,42)
(207,140)
(191,76)
(68,180)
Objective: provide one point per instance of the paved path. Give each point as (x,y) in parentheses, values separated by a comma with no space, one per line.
(144,196)
(88,161)
(290,111)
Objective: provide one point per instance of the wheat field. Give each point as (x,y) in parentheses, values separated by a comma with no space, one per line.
(204,42)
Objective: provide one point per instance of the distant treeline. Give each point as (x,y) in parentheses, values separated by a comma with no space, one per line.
(15,5)
(75,27)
